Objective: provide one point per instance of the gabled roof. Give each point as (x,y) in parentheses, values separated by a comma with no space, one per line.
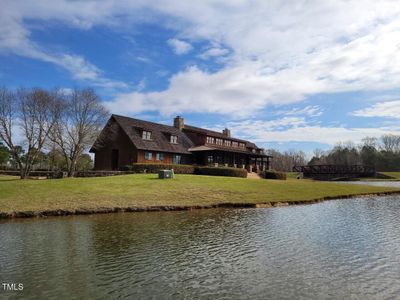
(226,149)
(217,135)
(160,135)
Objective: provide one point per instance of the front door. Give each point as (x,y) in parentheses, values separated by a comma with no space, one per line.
(114,159)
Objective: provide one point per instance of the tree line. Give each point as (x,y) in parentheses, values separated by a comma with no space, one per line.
(382,153)
(285,161)
(39,125)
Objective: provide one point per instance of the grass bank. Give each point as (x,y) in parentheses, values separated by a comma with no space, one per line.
(383,176)
(144,192)
(394,175)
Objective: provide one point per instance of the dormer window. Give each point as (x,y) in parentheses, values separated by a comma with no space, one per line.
(146,135)
(210,140)
(173,139)
(219,142)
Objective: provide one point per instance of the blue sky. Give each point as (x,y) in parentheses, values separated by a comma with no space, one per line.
(286,74)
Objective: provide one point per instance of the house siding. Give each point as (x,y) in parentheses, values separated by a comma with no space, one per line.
(127,153)
(121,144)
(141,159)
(168,157)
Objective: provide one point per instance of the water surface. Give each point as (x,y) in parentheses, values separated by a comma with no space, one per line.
(376,183)
(332,250)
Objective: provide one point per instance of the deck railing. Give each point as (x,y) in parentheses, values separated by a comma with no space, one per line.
(336,170)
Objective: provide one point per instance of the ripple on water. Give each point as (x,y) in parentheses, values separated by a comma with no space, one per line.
(337,249)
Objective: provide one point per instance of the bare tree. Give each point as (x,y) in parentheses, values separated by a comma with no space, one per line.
(82,116)
(391,143)
(33,111)
(287,160)
(8,116)
(369,142)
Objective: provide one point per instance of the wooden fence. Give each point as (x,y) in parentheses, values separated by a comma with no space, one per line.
(59,174)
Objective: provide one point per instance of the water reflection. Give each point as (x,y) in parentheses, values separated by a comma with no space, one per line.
(375,183)
(335,249)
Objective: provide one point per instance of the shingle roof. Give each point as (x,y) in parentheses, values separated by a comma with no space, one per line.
(217,134)
(160,135)
(223,148)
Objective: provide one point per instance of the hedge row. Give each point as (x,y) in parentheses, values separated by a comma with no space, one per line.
(186,169)
(273,175)
(154,168)
(225,171)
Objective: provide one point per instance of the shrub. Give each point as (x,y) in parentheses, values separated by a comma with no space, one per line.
(273,175)
(224,171)
(154,168)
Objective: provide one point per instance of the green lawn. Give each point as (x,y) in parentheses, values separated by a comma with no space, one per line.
(292,175)
(395,175)
(146,190)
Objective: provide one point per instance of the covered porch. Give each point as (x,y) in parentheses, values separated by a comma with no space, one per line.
(253,162)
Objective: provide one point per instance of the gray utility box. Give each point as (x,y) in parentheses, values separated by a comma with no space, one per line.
(165,174)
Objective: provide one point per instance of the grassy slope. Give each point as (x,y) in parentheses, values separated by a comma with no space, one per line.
(292,175)
(395,175)
(146,190)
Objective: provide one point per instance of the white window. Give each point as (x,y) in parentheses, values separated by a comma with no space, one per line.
(148,156)
(219,141)
(210,140)
(227,143)
(174,139)
(235,144)
(242,145)
(160,156)
(146,135)
(176,159)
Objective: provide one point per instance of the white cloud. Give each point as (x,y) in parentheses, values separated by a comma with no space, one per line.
(214,52)
(280,52)
(309,110)
(179,47)
(235,91)
(299,130)
(389,109)
(15,39)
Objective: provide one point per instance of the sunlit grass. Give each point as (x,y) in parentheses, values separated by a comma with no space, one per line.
(147,190)
(395,175)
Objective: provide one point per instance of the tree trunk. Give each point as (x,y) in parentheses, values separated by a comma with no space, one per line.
(71,171)
(18,162)
(72,166)
(22,173)
(25,171)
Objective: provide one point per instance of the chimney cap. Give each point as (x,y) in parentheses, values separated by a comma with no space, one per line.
(226,132)
(179,122)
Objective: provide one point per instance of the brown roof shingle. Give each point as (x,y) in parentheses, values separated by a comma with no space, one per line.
(160,135)
(217,134)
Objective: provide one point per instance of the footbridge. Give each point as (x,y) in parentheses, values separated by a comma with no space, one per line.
(335,172)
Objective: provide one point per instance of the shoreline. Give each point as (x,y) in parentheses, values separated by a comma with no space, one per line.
(105,210)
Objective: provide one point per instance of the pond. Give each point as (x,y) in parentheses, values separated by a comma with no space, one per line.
(336,249)
(375,183)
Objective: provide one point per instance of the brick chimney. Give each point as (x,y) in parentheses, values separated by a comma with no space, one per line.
(226,132)
(179,122)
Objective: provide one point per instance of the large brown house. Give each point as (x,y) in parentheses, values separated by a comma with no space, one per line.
(124,141)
